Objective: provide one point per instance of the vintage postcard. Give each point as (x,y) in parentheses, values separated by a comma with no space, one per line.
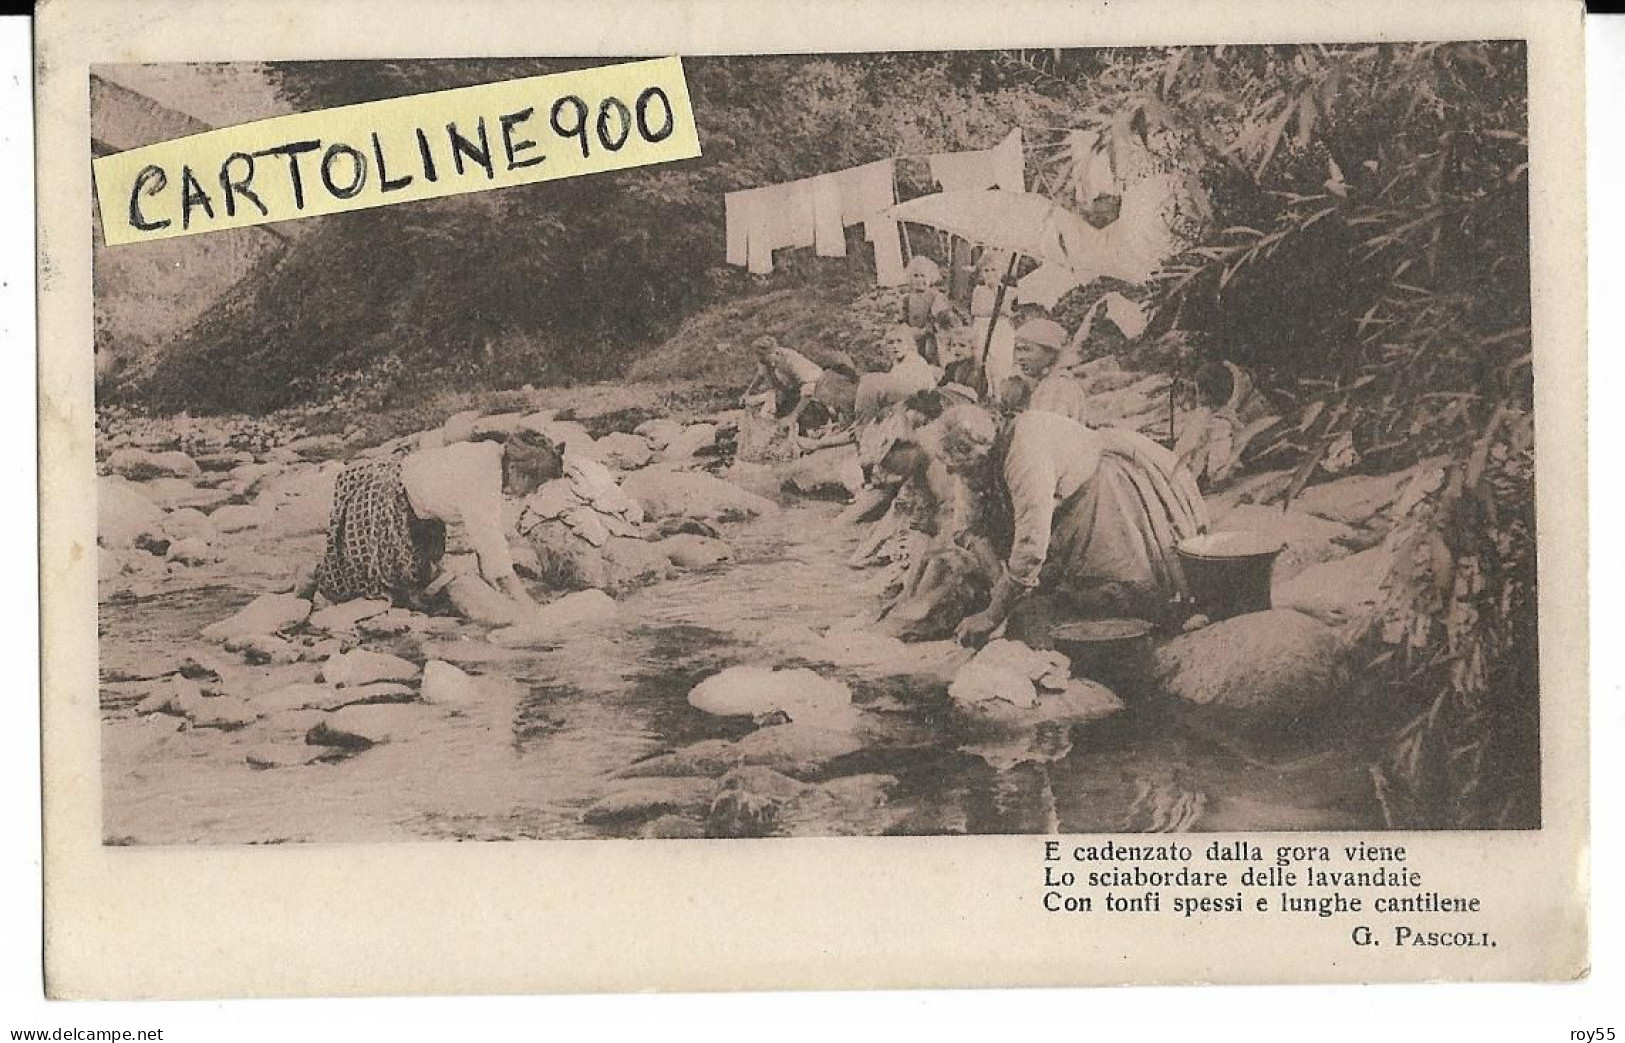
(854,496)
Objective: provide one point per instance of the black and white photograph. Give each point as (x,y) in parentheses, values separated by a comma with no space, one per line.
(1088,441)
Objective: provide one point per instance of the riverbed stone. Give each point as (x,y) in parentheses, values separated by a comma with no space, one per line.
(445,685)
(750,691)
(188,523)
(688,551)
(225,712)
(368,725)
(631,801)
(364,666)
(689,442)
(658,432)
(672,827)
(237,517)
(1338,592)
(124,513)
(623,452)
(1259,671)
(266,614)
(345,616)
(708,757)
(285,754)
(749,801)
(260,649)
(142,465)
(796,749)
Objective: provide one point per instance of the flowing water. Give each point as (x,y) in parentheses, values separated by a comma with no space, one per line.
(563,720)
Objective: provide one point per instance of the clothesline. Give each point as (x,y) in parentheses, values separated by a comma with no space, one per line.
(816,211)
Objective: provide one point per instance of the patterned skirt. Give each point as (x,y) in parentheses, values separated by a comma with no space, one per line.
(376,546)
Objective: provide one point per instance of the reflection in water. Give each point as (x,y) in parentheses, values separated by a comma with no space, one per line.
(566,722)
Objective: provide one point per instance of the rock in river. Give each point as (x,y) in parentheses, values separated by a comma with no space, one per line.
(267,614)
(124,513)
(750,691)
(344,617)
(445,685)
(688,551)
(140,465)
(635,800)
(364,667)
(1265,670)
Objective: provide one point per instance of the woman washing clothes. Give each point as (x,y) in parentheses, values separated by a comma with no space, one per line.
(1087,520)
(387,532)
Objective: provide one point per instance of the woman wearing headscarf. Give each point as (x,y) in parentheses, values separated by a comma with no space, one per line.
(1047,357)
(1088,520)
(387,532)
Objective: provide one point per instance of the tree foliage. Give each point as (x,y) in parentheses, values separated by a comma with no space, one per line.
(1366,250)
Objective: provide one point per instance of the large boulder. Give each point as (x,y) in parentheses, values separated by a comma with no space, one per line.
(188,523)
(1010,691)
(266,614)
(688,494)
(798,749)
(141,465)
(581,608)
(193,550)
(176,493)
(1359,499)
(1264,673)
(357,727)
(124,514)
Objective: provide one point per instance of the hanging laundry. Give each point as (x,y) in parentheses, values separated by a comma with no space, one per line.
(962,171)
(1047,284)
(829,235)
(1125,315)
(1141,239)
(888,242)
(866,190)
(815,212)
(738,228)
(798,213)
(1009,163)
(1092,172)
(1002,166)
